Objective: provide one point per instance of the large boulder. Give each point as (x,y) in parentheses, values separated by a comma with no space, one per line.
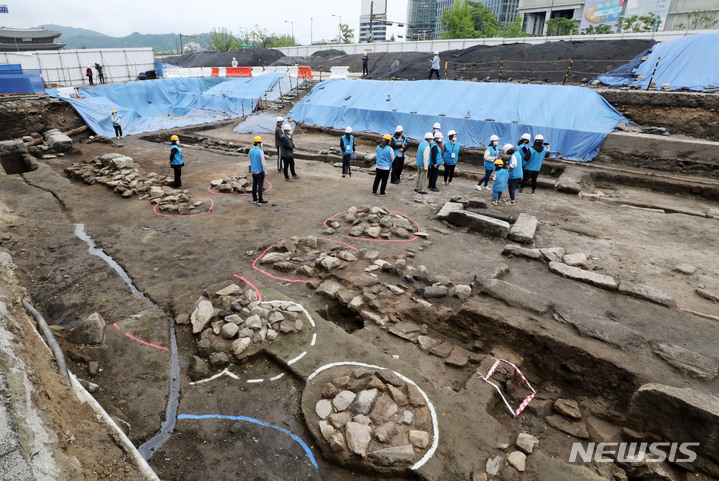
(448,207)
(523,229)
(12,147)
(116,161)
(89,331)
(56,140)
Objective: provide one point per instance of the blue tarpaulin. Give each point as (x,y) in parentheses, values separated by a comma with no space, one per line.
(574,120)
(687,63)
(260,124)
(153,105)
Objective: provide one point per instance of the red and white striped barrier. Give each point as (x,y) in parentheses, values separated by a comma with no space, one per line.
(526,400)
(294,72)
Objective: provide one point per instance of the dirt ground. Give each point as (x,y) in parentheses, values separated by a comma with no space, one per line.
(174,259)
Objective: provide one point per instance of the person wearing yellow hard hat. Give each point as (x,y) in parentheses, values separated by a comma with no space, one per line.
(116,124)
(383,164)
(501,177)
(258,167)
(176,160)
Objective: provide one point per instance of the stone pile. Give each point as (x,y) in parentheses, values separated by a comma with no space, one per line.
(233,322)
(119,173)
(372,222)
(239,184)
(368,419)
(304,257)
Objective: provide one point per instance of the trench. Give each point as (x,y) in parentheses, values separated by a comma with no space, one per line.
(148,448)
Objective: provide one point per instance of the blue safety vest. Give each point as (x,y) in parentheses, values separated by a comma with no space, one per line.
(534,163)
(489,164)
(517,172)
(350,148)
(449,149)
(420,153)
(177,158)
(500,180)
(384,157)
(256,160)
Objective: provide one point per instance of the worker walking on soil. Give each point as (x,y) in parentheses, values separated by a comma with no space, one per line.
(385,156)
(512,159)
(116,124)
(258,167)
(176,161)
(538,152)
(450,154)
(435,160)
(88,73)
(278,142)
(288,149)
(399,145)
(501,176)
(100,75)
(234,62)
(423,152)
(491,154)
(365,64)
(347,146)
(434,69)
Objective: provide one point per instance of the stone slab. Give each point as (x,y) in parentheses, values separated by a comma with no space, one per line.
(523,229)
(479,223)
(599,280)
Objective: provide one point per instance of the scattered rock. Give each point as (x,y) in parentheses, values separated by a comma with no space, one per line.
(686,361)
(326,430)
(198,369)
(323,408)
(337,443)
(518,460)
(576,429)
(393,456)
(343,400)
(647,293)
(229,330)
(364,402)
(494,465)
(358,438)
(686,269)
(458,358)
(447,208)
(435,291)
(576,260)
(386,432)
(442,350)
(526,443)
(512,250)
(577,274)
(201,316)
(419,439)
(89,331)
(240,345)
(568,408)
(219,360)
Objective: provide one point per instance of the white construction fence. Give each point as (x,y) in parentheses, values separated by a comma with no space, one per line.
(66,68)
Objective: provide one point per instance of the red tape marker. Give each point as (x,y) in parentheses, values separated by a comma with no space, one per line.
(139,340)
(259,296)
(524,403)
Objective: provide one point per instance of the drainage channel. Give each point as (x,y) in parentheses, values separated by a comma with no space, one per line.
(150,446)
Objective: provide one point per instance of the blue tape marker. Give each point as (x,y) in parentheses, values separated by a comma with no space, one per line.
(308,452)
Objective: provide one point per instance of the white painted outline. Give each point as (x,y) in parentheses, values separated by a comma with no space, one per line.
(435,424)
(227,372)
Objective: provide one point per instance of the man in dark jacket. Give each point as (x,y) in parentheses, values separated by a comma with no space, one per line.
(287,152)
(278,142)
(399,145)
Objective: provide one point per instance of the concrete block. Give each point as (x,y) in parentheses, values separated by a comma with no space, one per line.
(479,223)
(524,228)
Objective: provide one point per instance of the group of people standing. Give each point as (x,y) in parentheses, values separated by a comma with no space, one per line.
(100,74)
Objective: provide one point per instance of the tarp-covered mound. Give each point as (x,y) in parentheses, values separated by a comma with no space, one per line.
(249,57)
(574,120)
(260,123)
(168,103)
(687,63)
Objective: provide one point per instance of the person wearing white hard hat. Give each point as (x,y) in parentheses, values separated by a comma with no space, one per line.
(399,146)
(423,163)
(347,146)
(383,164)
(435,160)
(434,69)
(491,153)
(513,160)
(278,142)
(437,128)
(288,149)
(450,154)
(538,152)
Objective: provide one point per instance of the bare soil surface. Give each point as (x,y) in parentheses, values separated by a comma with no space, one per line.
(173,260)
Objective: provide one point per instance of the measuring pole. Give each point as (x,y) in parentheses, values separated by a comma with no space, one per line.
(501,67)
(568,70)
(655,71)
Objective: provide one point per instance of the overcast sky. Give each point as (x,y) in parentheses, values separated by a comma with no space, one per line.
(124,17)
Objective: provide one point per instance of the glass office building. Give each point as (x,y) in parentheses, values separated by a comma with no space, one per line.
(421,19)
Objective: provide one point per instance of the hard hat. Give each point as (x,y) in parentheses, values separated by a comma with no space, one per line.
(498,162)
(436,126)
(507,147)
(428,135)
(348,130)
(451,133)
(387,137)
(257,139)
(279,119)
(436,52)
(286,127)
(539,137)
(438,136)
(174,137)
(399,129)
(114,111)
(526,137)
(494,138)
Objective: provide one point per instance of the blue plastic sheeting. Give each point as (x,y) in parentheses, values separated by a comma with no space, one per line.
(574,120)
(149,106)
(687,63)
(259,124)
(18,81)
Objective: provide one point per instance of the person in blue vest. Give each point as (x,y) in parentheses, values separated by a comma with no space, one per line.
(491,153)
(385,156)
(523,149)
(176,161)
(116,124)
(501,176)
(423,152)
(435,160)
(258,167)
(513,159)
(538,152)
(399,145)
(347,146)
(450,154)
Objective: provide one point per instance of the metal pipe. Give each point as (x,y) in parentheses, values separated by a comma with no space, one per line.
(50,339)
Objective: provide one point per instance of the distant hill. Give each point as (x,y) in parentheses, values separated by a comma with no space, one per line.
(78,38)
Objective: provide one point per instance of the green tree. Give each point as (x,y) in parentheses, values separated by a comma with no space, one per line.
(635,23)
(600,29)
(514,29)
(281,41)
(699,20)
(457,23)
(485,22)
(222,40)
(561,26)
(348,34)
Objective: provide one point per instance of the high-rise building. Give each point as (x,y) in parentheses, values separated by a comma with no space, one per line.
(442,6)
(373,21)
(504,10)
(422,19)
